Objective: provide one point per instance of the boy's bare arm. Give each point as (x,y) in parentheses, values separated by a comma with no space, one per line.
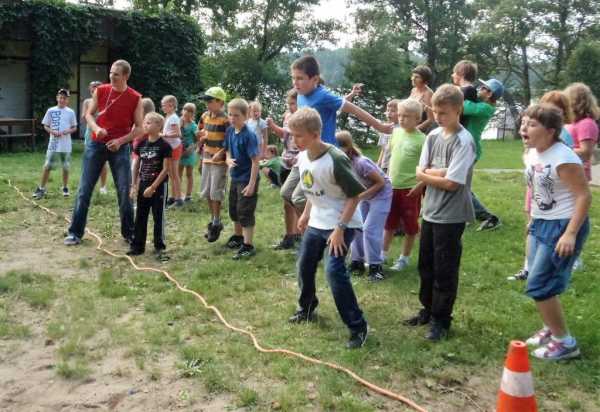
(337,244)
(90,118)
(436,181)
(251,187)
(367,118)
(135,177)
(279,131)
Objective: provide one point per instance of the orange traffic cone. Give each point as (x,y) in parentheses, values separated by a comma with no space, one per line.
(516,388)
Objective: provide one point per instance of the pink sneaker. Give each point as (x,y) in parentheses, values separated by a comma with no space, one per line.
(541,337)
(556,350)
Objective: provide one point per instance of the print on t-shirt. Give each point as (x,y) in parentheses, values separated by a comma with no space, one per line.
(539,176)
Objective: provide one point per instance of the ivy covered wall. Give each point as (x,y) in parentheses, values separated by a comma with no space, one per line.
(164,50)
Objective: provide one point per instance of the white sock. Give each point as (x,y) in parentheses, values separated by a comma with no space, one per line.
(526,265)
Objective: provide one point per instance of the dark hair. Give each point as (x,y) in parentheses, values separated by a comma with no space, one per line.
(425,73)
(548,115)
(308,65)
(467,69)
(63,92)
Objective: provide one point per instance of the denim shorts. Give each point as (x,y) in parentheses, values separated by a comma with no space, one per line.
(549,274)
(53,158)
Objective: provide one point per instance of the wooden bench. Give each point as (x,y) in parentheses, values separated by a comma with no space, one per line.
(8,134)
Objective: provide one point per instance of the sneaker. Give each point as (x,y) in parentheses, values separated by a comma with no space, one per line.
(302,315)
(103,190)
(39,193)
(176,204)
(520,275)
(161,255)
(287,242)
(358,338)
(208,229)
(65,192)
(187,199)
(134,252)
(578,264)
(490,224)
(357,267)
(170,201)
(235,242)
(400,264)
(556,350)
(72,240)
(540,338)
(245,252)
(437,332)
(421,318)
(214,232)
(376,273)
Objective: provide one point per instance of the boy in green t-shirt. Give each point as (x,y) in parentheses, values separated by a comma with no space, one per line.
(405,150)
(272,165)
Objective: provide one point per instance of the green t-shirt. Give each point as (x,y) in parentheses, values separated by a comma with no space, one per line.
(477,116)
(274,163)
(405,149)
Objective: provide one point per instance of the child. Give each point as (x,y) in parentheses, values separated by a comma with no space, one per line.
(189,157)
(258,126)
(272,166)
(560,204)
(290,190)
(87,134)
(329,221)
(172,135)
(152,167)
(242,149)
(405,148)
(464,75)
(59,121)
(211,133)
(374,206)
(148,107)
(384,155)
(446,168)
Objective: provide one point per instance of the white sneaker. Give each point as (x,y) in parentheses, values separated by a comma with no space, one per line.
(540,338)
(578,264)
(103,190)
(400,264)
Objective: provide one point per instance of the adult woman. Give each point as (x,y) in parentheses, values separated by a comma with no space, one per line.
(421,92)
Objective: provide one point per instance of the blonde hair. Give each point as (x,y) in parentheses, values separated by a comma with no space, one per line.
(190,107)
(239,104)
(255,104)
(169,98)
(155,117)
(467,69)
(148,105)
(560,100)
(306,119)
(412,106)
(583,101)
(448,94)
(124,65)
(273,149)
(344,139)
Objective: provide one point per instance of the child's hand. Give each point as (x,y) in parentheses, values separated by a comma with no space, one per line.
(248,191)
(133,191)
(416,191)
(218,157)
(270,122)
(101,133)
(202,135)
(337,245)
(566,245)
(303,222)
(231,163)
(149,192)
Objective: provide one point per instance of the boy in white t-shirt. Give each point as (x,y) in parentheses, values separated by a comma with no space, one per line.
(60,121)
(329,221)
(172,134)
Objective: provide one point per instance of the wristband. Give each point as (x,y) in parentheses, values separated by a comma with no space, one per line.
(342,225)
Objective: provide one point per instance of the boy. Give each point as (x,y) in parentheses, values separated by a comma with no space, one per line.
(329,219)
(464,75)
(60,121)
(405,149)
(384,139)
(243,151)
(272,166)
(211,134)
(172,134)
(446,168)
(151,166)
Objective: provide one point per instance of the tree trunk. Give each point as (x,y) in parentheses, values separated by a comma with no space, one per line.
(563,14)
(525,75)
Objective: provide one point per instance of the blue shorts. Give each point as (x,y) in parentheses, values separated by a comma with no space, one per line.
(549,274)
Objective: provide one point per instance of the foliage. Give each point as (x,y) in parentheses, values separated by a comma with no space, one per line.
(583,65)
(163,50)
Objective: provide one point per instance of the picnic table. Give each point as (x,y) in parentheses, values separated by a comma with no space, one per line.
(9,123)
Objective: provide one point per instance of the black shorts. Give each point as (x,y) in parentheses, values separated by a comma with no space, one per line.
(242,208)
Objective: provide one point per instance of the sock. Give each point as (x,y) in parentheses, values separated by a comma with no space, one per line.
(216,220)
(526,265)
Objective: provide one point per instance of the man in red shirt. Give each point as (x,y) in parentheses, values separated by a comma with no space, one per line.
(115,117)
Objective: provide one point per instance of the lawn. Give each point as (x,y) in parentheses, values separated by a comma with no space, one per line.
(99,318)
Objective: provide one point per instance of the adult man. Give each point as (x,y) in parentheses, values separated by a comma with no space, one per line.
(115,117)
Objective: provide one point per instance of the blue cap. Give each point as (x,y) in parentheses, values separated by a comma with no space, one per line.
(495,86)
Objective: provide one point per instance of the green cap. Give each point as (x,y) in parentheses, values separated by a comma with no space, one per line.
(214,93)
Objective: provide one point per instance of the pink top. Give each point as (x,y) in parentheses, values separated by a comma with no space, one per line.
(581,130)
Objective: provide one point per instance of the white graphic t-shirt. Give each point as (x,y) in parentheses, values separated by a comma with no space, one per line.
(60,119)
(328,181)
(170,134)
(551,199)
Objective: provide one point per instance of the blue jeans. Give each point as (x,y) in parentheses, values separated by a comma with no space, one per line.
(314,243)
(481,213)
(94,157)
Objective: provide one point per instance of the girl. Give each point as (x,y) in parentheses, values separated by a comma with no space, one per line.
(559,227)
(374,206)
(258,126)
(189,157)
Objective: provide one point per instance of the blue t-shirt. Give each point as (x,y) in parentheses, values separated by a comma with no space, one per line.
(242,147)
(327,104)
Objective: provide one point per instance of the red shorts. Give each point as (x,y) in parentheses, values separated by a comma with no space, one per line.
(404,212)
(177,152)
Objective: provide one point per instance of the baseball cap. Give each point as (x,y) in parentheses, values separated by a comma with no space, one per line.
(495,86)
(213,93)
(64,92)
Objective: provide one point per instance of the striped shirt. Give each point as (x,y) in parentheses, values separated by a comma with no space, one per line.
(215,125)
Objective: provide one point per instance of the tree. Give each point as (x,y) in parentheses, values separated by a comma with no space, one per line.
(583,64)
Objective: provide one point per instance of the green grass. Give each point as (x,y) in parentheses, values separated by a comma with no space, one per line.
(109,306)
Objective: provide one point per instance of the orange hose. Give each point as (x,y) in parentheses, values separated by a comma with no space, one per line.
(353,375)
